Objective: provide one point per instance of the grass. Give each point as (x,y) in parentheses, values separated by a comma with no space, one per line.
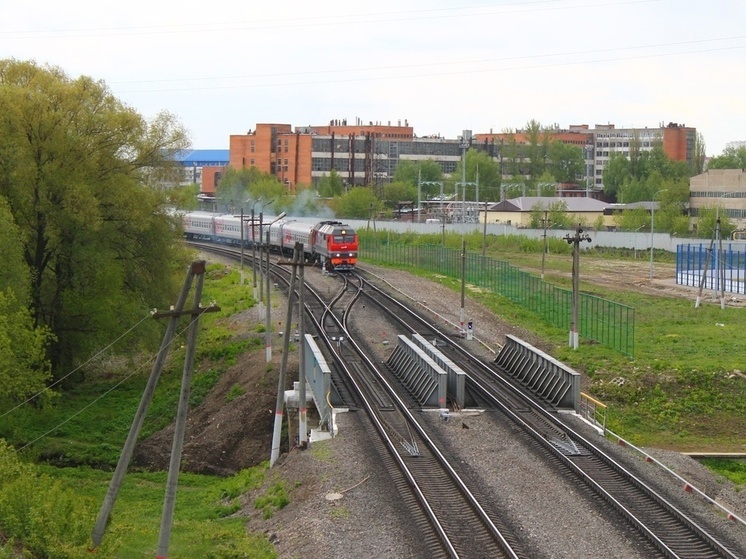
(78,439)
(202,525)
(681,391)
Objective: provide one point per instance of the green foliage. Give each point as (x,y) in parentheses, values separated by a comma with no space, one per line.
(23,366)
(77,167)
(358,203)
(707,223)
(234,392)
(275,498)
(330,185)
(731,158)
(428,172)
(396,192)
(566,161)
(40,515)
(184,197)
(480,167)
(733,470)
(556,215)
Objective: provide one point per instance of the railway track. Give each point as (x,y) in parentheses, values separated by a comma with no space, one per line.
(668,530)
(405,445)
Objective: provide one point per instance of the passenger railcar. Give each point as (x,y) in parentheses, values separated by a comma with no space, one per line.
(332,243)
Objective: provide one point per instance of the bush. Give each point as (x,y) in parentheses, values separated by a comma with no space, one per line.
(38,513)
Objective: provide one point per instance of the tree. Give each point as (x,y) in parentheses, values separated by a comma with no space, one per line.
(74,167)
(359,203)
(538,148)
(395,192)
(427,171)
(566,161)
(699,156)
(330,185)
(23,366)
(481,168)
(707,222)
(731,158)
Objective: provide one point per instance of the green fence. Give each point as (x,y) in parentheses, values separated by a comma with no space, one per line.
(606,322)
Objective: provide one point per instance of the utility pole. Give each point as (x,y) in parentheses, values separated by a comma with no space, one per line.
(280,404)
(544,222)
(575,242)
(463,284)
(197,268)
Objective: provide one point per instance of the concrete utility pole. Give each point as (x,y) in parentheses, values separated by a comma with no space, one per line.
(575,242)
(197,268)
(268,333)
(169,500)
(652,230)
(280,403)
(463,284)
(545,221)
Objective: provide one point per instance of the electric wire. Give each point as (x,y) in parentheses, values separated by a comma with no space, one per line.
(90,359)
(109,391)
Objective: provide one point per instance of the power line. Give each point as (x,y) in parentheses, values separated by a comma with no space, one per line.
(366,18)
(106,393)
(93,357)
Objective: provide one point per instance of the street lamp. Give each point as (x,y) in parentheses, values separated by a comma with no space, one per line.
(268,332)
(652,228)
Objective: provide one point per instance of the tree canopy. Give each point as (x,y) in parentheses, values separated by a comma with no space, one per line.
(76,167)
(731,158)
(640,176)
(482,169)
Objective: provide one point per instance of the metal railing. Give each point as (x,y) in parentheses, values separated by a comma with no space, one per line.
(606,322)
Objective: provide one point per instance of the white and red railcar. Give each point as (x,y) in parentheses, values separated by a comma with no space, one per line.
(332,243)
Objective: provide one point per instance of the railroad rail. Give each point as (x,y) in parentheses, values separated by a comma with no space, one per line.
(665,529)
(669,530)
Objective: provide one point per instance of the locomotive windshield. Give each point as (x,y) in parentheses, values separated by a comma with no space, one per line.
(342,239)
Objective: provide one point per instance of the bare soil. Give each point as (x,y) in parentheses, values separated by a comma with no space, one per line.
(223,437)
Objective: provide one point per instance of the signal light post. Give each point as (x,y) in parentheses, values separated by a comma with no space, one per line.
(575,242)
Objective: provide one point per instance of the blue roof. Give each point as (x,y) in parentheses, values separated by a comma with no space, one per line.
(203,157)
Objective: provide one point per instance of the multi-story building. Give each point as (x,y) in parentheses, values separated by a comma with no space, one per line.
(603,141)
(362,154)
(724,189)
(367,154)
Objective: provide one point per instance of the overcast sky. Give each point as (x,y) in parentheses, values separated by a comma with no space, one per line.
(443,66)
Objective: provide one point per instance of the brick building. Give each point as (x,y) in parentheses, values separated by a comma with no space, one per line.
(368,153)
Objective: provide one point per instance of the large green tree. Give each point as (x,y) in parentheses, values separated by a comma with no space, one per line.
(565,162)
(77,167)
(731,158)
(23,365)
(427,173)
(482,169)
(358,203)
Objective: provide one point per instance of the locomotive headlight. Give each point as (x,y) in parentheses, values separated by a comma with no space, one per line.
(337,255)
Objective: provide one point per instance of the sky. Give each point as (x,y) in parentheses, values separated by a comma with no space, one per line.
(441,66)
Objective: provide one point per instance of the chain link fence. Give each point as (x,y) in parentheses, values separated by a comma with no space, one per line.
(606,322)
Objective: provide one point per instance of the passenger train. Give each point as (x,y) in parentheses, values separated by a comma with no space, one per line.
(331,243)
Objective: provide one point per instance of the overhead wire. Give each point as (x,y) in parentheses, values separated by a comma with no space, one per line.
(110,390)
(90,359)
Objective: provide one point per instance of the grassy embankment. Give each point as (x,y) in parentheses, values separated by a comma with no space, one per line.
(684,389)
(49,499)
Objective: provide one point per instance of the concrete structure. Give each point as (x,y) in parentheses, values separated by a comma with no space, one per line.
(719,188)
(603,141)
(517,211)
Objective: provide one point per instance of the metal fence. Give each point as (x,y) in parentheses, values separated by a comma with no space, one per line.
(606,322)
(721,270)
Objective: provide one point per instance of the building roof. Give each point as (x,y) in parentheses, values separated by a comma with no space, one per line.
(528,203)
(203,157)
